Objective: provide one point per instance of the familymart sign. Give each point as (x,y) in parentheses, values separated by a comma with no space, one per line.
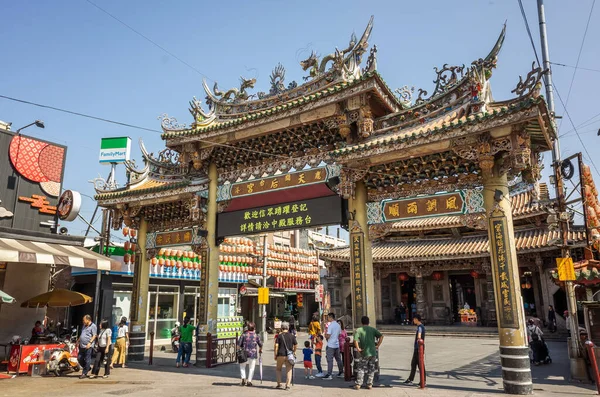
(115,150)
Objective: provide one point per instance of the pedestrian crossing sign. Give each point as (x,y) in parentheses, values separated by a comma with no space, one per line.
(566,269)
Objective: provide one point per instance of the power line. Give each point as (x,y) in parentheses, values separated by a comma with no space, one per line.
(585,123)
(148,39)
(137,127)
(590,158)
(578,57)
(574,67)
(529,33)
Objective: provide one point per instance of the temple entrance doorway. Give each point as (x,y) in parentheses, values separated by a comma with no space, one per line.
(409,297)
(462,290)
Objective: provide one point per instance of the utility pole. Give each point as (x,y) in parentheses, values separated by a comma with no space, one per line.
(263,316)
(578,366)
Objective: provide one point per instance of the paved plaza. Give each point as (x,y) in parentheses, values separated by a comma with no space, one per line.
(456,367)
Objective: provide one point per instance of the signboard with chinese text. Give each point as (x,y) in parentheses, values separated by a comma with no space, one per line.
(202,308)
(426,206)
(357,265)
(170,239)
(566,269)
(295,215)
(284,181)
(501,262)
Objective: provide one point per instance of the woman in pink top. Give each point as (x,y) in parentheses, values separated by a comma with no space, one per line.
(342,338)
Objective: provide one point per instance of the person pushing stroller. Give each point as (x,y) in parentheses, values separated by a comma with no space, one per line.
(539,349)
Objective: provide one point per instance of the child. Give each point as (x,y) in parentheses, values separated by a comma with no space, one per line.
(307,351)
(318,349)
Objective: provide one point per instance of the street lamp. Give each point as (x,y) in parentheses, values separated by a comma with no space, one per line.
(37,123)
(13,181)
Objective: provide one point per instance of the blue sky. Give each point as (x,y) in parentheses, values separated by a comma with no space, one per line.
(71,55)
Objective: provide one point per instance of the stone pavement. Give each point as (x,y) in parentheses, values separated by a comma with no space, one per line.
(455,367)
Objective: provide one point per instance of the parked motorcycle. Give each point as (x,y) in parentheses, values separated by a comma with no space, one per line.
(175,336)
(64,360)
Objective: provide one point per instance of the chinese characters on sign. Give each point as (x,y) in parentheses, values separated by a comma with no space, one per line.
(435,205)
(501,258)
(294,215)
(180,237)
(566,269)
(357,270)
(203,286)
(284,181)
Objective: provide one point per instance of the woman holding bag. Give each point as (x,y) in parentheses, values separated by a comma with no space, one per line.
(251,345)
(103,350)
(284,346)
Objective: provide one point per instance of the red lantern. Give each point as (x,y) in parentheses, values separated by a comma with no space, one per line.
(403,277)
(474,274)
(437,276)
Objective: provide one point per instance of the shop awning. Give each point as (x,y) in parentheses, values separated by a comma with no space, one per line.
(23,251)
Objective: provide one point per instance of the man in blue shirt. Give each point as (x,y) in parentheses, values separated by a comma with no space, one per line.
(420,335)
(86,344)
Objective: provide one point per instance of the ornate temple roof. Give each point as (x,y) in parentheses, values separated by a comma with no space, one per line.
(411,250)
(162,176)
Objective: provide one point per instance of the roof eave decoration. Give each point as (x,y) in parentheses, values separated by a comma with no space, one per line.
(235,104)
(166,168)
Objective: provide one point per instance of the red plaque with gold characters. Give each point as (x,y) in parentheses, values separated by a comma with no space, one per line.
(423,207)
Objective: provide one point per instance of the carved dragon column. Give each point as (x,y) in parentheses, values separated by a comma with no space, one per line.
(418,273)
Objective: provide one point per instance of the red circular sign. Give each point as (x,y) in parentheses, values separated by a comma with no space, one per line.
(243,290)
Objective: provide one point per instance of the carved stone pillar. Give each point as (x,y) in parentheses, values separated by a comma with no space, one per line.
(514,352)
(378,298)
(546,298)
(420,291)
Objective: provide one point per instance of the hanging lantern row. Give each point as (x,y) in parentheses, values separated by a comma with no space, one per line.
(176,258)
(129,232)
(283,281)
(237,249)
(232,260)
(590,194)
(291,258)
(129,256)
(239,241)
(290,250)
(239,269)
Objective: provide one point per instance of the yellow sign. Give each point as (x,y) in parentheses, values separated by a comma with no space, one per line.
(263,296)
(566,270)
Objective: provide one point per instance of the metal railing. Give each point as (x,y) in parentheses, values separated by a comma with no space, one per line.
(220,350)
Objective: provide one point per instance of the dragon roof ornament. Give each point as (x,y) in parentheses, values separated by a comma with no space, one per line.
(450,77)
(345,64)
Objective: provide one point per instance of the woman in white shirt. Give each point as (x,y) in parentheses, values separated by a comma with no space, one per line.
(103,350)
(121,343)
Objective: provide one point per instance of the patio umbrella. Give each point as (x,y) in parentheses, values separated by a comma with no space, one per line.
(6,298)
(58,298)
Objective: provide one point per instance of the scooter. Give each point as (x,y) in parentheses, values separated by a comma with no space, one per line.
(175,338)
(64,360)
